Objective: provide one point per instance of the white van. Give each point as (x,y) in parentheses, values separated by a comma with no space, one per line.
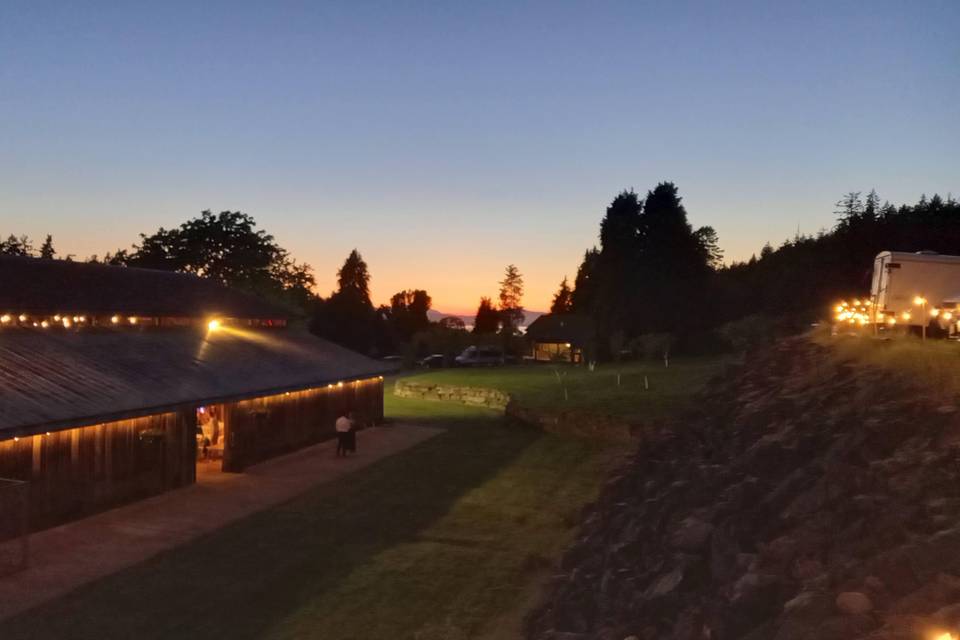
(901,280)
(480,356)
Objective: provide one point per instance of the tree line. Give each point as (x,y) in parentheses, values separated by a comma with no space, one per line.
(229,248)
(652,279)
(656,278)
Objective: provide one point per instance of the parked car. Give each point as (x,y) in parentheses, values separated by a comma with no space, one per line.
(480,356)
(434,361)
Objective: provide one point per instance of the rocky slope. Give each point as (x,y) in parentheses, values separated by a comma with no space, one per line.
(806,498)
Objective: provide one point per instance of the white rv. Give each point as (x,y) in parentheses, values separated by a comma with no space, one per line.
(912,286)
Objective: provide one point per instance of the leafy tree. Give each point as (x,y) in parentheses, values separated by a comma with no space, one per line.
(487,319)
(226,247)
(407,312)
(562,299)
(14,246)
(46,249)
(511,297)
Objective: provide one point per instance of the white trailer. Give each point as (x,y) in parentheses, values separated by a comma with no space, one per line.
(901,280)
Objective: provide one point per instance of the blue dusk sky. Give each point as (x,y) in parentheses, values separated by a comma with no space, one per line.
(445,140)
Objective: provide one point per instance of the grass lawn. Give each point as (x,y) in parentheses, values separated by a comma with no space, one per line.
(447,540)
(538,386)
(932,364)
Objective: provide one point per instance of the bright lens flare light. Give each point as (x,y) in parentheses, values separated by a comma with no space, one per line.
(919,300)
(213,325)
(946,635)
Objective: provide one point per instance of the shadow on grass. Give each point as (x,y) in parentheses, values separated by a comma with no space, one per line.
(244,580)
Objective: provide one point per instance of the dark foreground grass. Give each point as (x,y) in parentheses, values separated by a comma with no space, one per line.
(445,540)
(639,390)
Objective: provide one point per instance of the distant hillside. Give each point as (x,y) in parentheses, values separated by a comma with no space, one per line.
(529,316)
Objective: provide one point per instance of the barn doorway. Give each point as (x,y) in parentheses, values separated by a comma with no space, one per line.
(211,439)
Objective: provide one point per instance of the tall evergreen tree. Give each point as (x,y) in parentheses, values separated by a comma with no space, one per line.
(585,285)
(347,317)
(353,278)
(511,300)
(563,299)
(46,249)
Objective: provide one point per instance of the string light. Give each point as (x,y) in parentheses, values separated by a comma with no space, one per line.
(132,319)
(115,319)
(5,318)
(213,325)
(22,318)
(44,324)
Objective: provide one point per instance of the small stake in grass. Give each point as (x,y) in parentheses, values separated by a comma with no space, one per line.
(560,376)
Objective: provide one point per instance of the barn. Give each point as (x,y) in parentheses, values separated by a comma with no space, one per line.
(120,383)
(560,337)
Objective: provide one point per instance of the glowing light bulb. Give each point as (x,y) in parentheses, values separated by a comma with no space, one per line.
(919,300)
(44,324)
(905,315)
(115,319)
(22,317)
(934,312)
(66,323)
(946,315)
(132,320)
(5,318)
(213,325)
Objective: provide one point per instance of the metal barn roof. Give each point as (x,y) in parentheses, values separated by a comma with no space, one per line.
(37,286)
(52,380)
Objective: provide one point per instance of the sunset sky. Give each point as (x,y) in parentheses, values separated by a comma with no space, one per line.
(445,140)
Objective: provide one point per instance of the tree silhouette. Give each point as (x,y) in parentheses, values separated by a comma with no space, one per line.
(562,299)
(226,247)
(14,246)
(347,317)
(46,249)
(487,319)
(511,298)
(407,313)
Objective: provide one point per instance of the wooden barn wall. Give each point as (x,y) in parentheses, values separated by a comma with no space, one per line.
(265,427)
(79,471)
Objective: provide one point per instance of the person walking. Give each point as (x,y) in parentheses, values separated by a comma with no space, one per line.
(344,428)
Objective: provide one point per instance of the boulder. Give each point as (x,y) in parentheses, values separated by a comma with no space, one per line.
(854,603)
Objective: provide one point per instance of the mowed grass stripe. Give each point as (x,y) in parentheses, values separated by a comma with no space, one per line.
(436,541)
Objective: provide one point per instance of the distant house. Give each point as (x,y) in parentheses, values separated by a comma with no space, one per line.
(560,337)
(118,383)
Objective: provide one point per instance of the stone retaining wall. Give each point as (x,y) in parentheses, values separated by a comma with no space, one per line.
(474,396)
(567,422)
